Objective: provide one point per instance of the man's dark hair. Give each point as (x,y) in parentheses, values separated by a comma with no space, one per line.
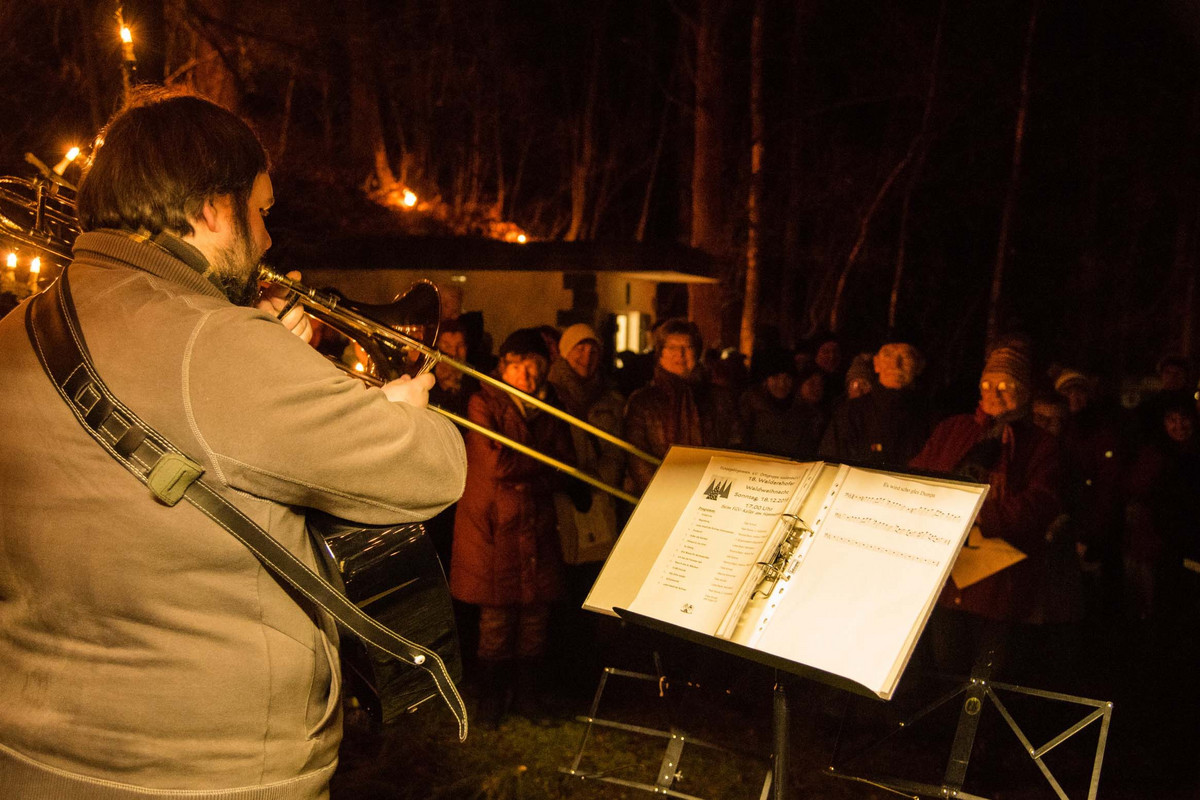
(161,157)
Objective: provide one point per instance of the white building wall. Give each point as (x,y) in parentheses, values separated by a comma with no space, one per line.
(508,299)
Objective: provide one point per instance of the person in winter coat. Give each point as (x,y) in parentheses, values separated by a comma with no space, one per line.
(506,557)
(889,425)
(679,405)
(997,444)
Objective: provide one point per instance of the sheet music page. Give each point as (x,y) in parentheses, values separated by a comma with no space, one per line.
(877,563)
(718,540)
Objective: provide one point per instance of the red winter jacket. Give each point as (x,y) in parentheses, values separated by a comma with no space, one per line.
(506,549)
(1021,504)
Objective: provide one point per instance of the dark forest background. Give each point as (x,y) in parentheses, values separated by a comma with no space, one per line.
(895,190)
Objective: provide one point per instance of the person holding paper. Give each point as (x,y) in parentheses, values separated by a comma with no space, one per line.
(997,445)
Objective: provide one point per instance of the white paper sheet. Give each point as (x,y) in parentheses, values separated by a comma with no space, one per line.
(717,540)
(870,575)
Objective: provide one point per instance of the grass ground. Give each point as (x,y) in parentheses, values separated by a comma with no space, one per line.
(1151,751)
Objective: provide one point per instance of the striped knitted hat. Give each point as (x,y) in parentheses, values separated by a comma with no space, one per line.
(1010,361)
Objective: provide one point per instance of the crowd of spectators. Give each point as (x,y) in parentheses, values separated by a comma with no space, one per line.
(1099,496)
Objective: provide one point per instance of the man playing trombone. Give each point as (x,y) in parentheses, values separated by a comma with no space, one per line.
(144,651)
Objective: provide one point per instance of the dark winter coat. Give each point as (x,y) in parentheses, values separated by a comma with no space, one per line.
(506,549)
(885,427)
(671,410)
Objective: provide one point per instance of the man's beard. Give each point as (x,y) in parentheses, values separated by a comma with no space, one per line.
(236,269)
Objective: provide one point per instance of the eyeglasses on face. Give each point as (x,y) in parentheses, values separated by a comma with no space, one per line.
(999,386)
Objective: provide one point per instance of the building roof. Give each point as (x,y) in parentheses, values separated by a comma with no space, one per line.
(661,261)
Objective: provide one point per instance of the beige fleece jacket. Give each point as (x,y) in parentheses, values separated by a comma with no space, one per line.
(142,648)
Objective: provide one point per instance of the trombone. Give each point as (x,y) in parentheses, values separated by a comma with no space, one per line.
(39,215)
(407,328)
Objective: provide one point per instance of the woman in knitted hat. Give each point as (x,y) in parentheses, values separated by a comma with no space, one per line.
(586,393)
(997,444)
(506,557)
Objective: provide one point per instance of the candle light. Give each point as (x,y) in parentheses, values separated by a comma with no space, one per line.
(61,166)
(8,280)
(35,269)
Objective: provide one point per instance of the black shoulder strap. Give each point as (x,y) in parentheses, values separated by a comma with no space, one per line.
(172,476)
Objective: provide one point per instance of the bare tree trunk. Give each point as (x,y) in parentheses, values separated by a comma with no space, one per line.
(706,158)
(585,147)
(915,175)
(213,75)
(1014,182)
(498,154)
(1185,237)
(281,147)
(90,59)
(705,305)
(864,227)
(368,152)
(791,231)
(1185,264)
(754,201)
(644,217)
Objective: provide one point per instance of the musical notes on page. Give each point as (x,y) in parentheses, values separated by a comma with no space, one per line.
(880,556)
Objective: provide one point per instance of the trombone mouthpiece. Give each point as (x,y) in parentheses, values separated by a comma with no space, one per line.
(269,275)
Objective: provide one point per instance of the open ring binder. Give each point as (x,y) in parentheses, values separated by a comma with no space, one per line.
(823,565)
(787,556)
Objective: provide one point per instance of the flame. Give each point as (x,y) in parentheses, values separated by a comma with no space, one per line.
(510,233)
(35,266)
(410,199)
(11,261)
(126,35)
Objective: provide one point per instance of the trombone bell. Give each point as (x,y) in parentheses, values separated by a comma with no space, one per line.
(416,314)
(398,337)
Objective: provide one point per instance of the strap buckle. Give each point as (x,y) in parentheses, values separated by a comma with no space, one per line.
(171,476)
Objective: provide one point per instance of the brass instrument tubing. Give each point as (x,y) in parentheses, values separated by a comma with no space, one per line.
(328,304)
(545,459)
(507,442)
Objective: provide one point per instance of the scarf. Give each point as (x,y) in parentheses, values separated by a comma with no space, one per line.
(681,422)
(578,394)
(988,459)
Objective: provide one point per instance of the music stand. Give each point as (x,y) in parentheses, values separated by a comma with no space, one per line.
(686,549)
(975,691)
(775,785)
(676,739)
